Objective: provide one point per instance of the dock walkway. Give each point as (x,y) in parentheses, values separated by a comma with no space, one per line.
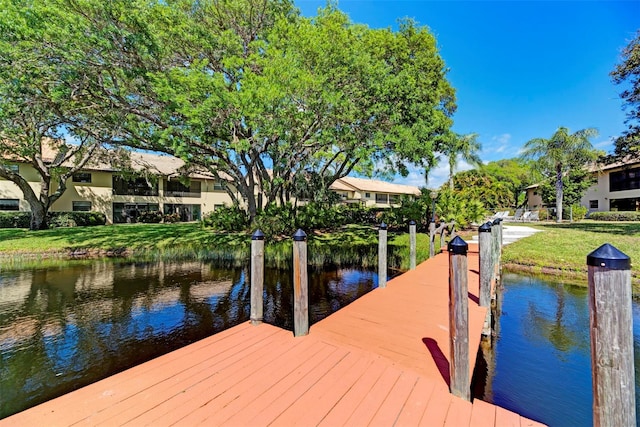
(381,361)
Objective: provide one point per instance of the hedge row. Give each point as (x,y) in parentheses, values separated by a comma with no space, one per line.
(55,219)
(615,216)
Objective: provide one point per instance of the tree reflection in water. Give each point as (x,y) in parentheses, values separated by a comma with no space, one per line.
(61,329)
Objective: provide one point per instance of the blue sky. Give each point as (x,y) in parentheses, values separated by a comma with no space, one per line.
(520,69)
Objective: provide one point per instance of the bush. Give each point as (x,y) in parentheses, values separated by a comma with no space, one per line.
(71,219)
(227,219)
(15,219)
(579,212)
(171,218)
(150,217)
(61,219)
(615,216)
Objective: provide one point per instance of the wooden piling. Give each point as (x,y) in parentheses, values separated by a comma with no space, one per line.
(611,328)
(300,285)
(486,263)
(460,384)
(382,256)
(432,238)
(257,277)
(412,245)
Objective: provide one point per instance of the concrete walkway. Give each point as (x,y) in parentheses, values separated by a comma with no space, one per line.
(511,233)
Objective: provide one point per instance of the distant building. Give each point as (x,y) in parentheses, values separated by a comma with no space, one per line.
(372,193)
(163,185)
(617,189)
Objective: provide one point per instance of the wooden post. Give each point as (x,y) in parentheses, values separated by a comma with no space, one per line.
(300,285)
(486,263)
(432,238)
(257,277)
(611,327)
(460,384)
(382,256)
(412,245)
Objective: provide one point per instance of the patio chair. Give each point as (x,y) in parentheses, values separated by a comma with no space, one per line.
(517,216)
(535,216)
(525,216)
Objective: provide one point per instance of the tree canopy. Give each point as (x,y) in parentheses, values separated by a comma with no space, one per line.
(627,74)
(559,155)
(249,89)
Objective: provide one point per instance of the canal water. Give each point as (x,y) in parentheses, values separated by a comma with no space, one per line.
(63,328)
(540,365)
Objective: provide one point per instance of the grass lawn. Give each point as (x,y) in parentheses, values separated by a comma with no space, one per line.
(191,240)
(565,247)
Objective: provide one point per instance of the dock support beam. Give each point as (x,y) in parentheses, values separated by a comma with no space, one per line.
(382,256)
(460,384)
(300,285)
(611,328)
(257,277)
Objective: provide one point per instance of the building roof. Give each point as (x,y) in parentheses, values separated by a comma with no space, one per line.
(372,185)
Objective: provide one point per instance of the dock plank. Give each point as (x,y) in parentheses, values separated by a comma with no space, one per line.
(382,360)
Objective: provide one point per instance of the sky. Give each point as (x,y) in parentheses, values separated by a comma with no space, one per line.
(521,69)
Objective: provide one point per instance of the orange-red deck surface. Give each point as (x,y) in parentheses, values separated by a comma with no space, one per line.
(381,361)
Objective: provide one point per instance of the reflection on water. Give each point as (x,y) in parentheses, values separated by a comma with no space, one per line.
(61,329)
(541,363)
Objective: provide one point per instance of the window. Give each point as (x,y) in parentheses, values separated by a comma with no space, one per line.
(129,212)
(81,206)
(174,188)
(382,198)
(134,187)
(186,212)
(628,205)
(219,186)
(9,205)
(367,195)
(13,168)
(82,177)
(593,204)
(394,199)
(628,179)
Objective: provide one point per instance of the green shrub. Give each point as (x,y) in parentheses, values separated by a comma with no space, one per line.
(276,221)
(171,218)
(61,219)
(615,216)
(578,212)
(15,219)
(227,219)
(72,219)
(150,217)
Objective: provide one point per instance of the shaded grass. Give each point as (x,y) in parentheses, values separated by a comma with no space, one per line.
(564,247)
(352,245)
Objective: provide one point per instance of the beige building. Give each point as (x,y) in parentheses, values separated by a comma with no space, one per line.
(617,189)
(372,193)
(102,189)
(534,198)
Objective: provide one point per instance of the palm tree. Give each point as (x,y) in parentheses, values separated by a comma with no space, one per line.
(464,146)
(561,153)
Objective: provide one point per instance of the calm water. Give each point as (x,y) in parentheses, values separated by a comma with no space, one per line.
(541,365)
(61,329)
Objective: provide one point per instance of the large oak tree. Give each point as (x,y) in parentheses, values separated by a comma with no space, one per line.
(251,89)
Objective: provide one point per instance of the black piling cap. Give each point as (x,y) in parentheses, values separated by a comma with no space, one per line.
(609,256)
(458,246)
(412,222)
(258,235)
(497,221)
(383,226)
(300,236)
(486,227)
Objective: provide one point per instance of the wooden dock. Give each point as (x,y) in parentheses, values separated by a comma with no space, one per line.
(381,361)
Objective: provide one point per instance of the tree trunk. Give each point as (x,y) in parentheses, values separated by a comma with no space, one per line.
(559,193)
(38,216)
